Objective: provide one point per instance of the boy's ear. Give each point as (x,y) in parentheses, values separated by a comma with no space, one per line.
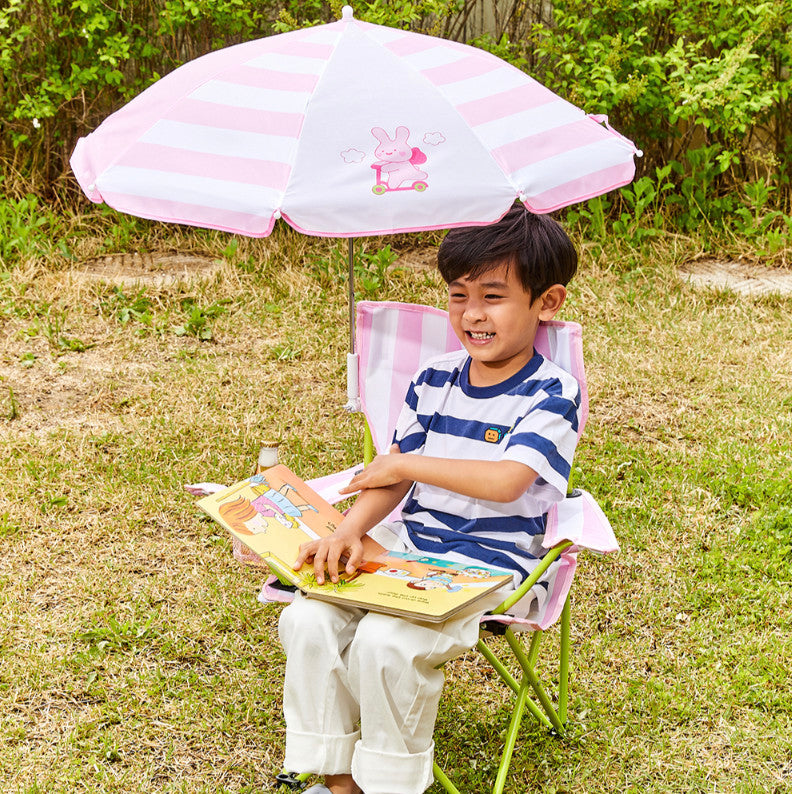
(552,299)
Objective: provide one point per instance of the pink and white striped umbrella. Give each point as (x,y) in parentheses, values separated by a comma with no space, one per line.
(344,130)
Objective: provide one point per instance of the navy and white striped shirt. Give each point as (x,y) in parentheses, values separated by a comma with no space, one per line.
(532,418)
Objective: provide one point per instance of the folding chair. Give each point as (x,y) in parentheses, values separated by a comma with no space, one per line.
(393,340)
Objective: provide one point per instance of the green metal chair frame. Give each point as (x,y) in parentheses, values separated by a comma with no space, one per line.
(553,717)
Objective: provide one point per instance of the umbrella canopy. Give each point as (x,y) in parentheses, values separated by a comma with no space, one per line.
(345,130)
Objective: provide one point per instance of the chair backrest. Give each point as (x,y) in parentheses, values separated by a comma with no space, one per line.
(395,339)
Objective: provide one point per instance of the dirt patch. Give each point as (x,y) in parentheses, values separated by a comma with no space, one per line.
(149,269)
(418,259)
(89,390)
(739,277)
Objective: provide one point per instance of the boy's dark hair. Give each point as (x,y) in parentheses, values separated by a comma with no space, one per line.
(536,245)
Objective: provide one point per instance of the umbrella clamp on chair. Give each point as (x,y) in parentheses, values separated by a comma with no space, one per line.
(393,340)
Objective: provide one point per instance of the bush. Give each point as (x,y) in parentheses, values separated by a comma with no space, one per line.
(703,88)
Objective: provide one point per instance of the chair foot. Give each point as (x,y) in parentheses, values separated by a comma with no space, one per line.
(290,780)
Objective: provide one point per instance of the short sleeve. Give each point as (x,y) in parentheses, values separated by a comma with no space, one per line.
(546,437)
(410,432)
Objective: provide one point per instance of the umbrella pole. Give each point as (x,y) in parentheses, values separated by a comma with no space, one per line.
(353,393)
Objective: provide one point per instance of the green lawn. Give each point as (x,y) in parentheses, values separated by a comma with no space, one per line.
(134,654)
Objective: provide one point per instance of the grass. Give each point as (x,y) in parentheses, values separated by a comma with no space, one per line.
(134,655)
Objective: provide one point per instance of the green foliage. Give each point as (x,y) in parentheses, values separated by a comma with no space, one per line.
(127,636)
(371,268)
(51,323)
(426,16)
(198,319)
(7,527)
(26,229)
(130,308)
(702,88)
(11,413)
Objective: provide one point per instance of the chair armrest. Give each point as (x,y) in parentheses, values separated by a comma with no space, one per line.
(579,520)
(327,486)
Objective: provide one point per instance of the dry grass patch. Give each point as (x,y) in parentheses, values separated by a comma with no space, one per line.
(744,278)
(154,269)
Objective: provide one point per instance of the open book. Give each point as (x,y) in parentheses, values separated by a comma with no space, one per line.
(274,512)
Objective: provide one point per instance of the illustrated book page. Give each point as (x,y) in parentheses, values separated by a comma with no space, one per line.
(274,512)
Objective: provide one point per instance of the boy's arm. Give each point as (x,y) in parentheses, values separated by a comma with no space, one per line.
(371,507)
(495,481)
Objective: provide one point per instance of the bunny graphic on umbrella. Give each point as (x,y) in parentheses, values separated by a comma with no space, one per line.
(398,161)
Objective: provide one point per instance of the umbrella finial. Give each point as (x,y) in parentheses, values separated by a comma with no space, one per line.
(347,12)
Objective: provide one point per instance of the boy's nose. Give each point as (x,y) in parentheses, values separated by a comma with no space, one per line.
(474,312)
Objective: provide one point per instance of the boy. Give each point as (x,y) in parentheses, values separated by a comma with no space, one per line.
(484,446)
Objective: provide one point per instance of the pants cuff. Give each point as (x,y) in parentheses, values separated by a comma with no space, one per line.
(320,754)
(392,773)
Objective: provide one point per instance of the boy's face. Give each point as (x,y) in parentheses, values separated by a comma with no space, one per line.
(496,321)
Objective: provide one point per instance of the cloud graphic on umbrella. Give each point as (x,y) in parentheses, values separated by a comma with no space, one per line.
(353,155)
(434,138)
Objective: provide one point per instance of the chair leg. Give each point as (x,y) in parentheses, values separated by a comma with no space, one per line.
(563,675)
(444,780)
(549,716)
(532,678)
(533,650)
(509,679)
(511,739)
(499,667)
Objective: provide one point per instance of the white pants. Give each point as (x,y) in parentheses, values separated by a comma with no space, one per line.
(362,691)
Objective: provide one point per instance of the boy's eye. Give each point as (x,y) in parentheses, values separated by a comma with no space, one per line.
(493,296)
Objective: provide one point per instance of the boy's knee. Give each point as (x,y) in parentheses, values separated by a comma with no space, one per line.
(386,638)
(394,643)
(300,619)
(310,623)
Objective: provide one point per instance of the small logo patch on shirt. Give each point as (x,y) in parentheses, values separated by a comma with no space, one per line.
(493,435)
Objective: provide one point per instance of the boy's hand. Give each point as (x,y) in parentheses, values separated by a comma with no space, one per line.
(328,552)
(382,471)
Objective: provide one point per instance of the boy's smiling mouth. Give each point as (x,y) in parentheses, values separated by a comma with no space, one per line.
(481,336)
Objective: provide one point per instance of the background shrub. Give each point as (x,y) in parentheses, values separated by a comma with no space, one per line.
(703,88)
